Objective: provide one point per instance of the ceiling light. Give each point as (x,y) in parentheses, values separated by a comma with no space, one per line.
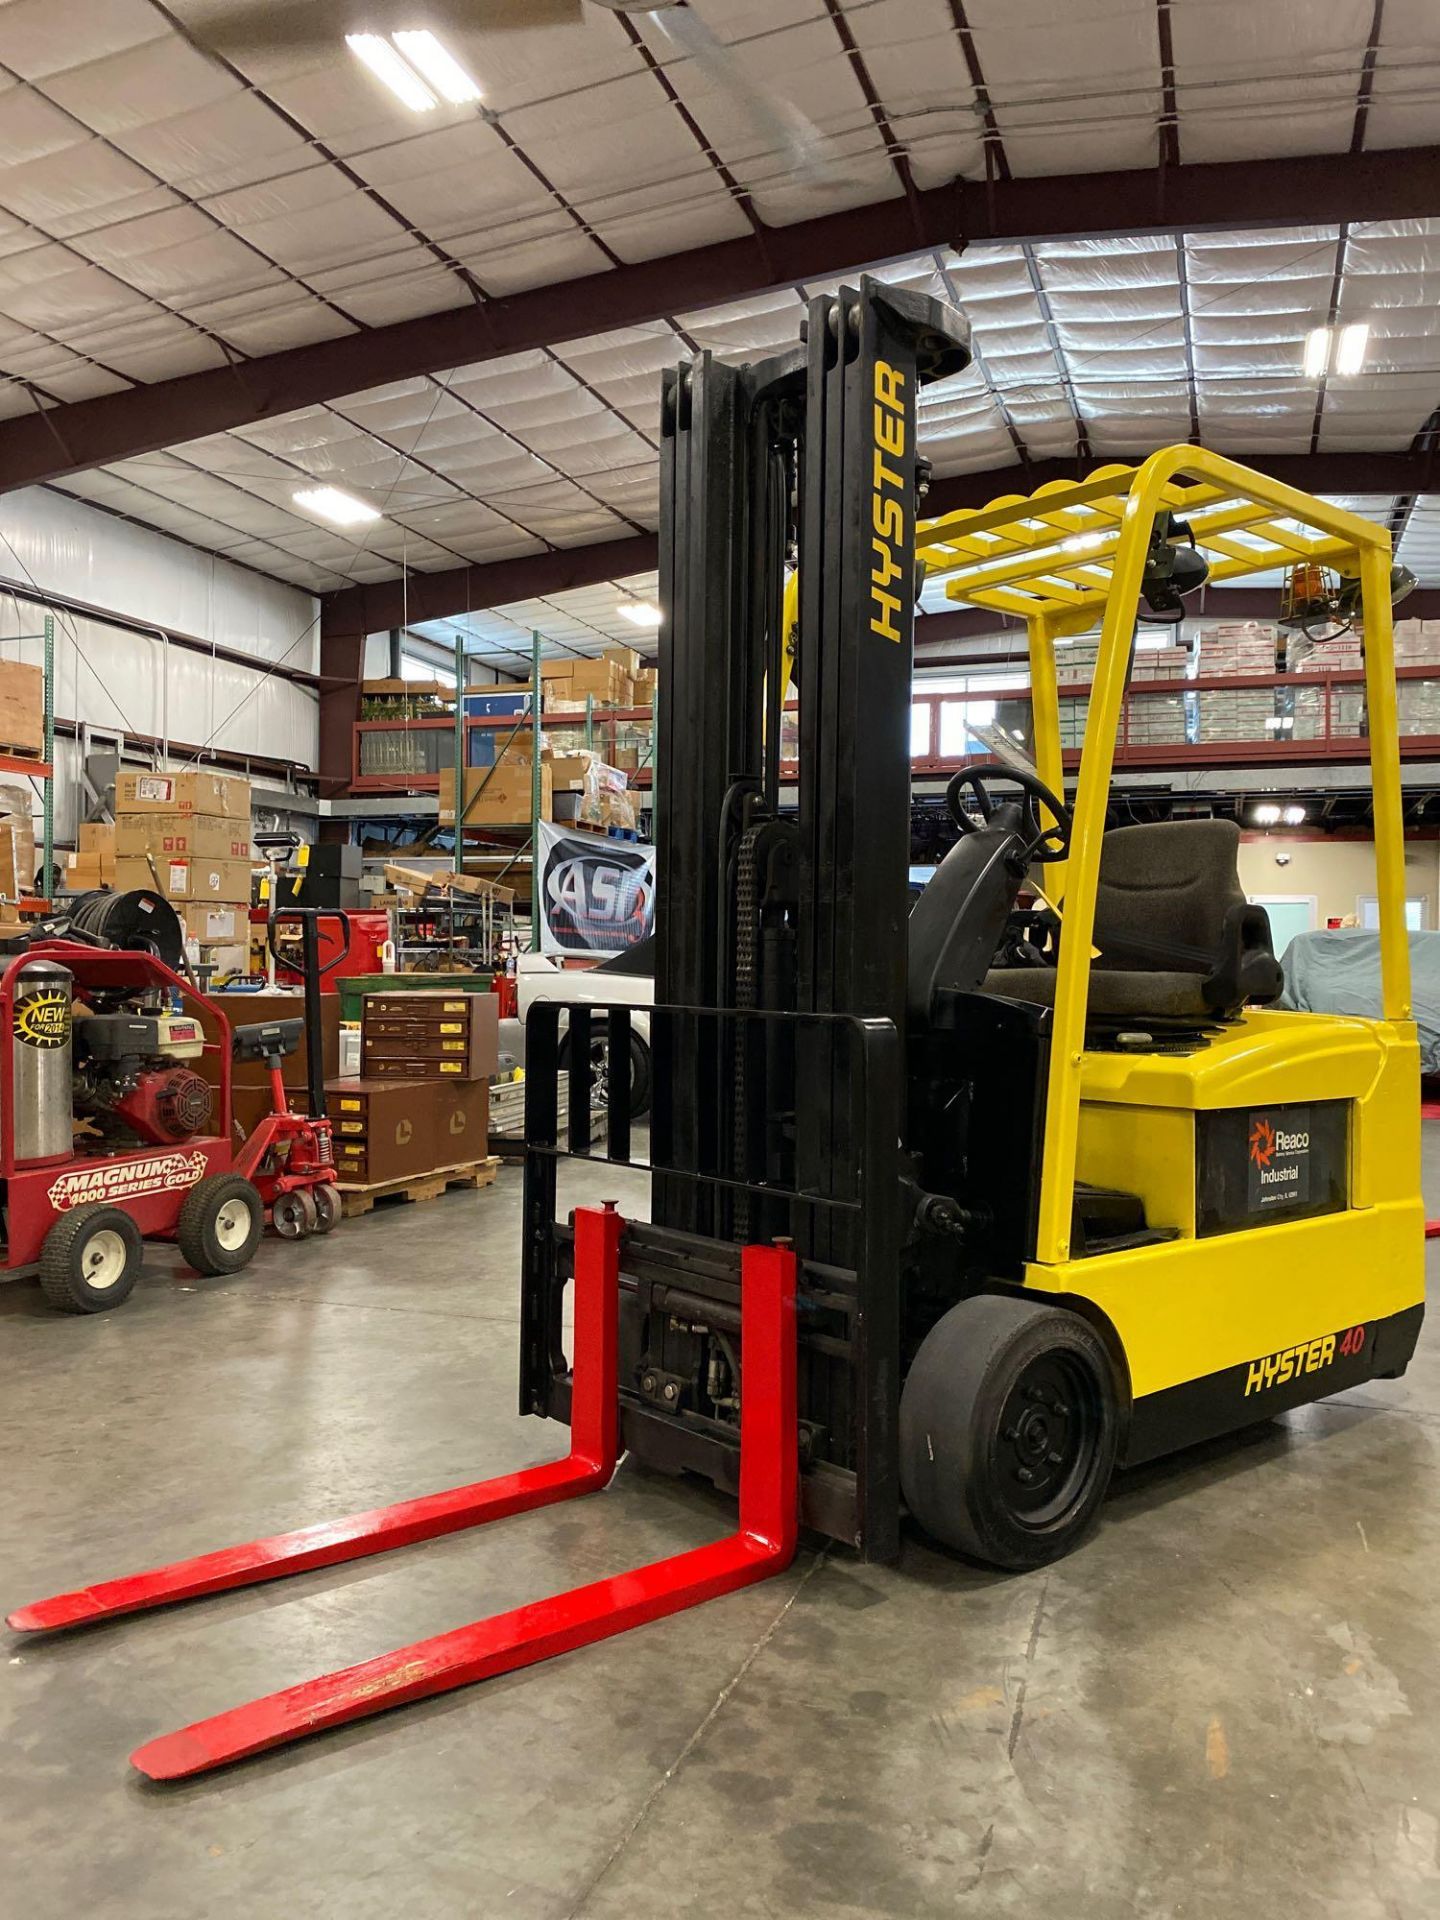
(1317,352)
(1082,542)
(640,613)
(439,66)
(1294,816)
(1266,816)
(331,504)
(1350,353)
(385,63)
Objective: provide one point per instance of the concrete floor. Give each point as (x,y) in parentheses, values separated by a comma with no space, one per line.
(1226,1703)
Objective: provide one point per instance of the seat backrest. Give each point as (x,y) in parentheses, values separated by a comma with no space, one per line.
(1165,887)
(957,923)
(1169,898)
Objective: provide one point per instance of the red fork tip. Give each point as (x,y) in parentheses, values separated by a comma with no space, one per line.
(66,1610)
(172,1757)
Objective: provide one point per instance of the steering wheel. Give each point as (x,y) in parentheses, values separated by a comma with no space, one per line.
(1043,843)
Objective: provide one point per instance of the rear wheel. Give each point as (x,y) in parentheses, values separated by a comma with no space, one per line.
(220,1224)
(1008,1430)
(90,1260)
(327,1207)
(640,1073)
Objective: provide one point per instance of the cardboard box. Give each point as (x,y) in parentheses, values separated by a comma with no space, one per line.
(222,881)
(626,658)
(17,835)
(184,836)
(96,836)
(214,925)
(84,872)
(226,958)
(502,799)
(22,707)
(192,792)
(568,771)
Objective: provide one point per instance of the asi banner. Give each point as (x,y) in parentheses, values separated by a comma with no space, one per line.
(596,896)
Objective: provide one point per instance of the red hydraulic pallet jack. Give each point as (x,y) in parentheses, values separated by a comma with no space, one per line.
(763,1543)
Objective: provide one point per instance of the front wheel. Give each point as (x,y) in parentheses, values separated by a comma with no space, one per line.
(294,1214)
(1008,1430)
(90,1260)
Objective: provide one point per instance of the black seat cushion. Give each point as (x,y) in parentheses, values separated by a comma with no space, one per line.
(1114,995)
(1177,938)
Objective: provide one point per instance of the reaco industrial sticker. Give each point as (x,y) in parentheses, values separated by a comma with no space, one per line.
(1279,1158)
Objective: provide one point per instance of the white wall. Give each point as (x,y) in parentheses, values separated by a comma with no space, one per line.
(117,679)
(1339,873)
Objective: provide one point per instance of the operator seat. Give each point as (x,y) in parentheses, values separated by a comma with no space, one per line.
(1178,940)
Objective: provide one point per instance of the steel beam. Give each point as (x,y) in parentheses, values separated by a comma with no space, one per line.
(1317,189)
(440,596)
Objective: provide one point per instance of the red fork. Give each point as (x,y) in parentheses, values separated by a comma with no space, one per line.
(588,1466)
(763,1544)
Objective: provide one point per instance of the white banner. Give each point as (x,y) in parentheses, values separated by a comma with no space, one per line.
(594,895)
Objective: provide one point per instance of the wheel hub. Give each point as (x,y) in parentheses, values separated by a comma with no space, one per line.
(1049,1429)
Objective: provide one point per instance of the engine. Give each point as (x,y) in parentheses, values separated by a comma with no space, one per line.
(130,1080)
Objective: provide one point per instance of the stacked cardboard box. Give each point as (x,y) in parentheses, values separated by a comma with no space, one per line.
(17,842)
(502,795)
(92,865)
(609,681)
(429,1036)
(188,834)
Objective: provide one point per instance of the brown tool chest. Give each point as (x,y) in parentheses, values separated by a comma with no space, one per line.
(430,1036)
(393,1129)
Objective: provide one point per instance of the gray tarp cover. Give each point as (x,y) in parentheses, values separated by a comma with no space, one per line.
(1339,972)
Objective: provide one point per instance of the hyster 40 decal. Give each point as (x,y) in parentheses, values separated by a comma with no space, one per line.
(119,1179)
(1278,1369)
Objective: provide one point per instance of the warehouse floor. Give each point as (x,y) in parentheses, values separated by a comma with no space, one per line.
(1227,1701)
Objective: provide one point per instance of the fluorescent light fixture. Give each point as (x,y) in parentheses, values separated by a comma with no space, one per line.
(1279,723)
(1317,352)
(1266,816)
(385,63)
(331,504)
(640,613)
(1082,542)
(1294,816)
(439,66)
(1350,353)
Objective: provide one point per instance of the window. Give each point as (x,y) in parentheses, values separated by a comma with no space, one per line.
(920,730)
(956,740)
(1289,914)
(1417,911)
(412,668)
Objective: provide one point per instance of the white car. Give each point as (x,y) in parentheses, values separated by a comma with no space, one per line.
(624,978)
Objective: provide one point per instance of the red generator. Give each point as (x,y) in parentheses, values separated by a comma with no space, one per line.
(112,1040)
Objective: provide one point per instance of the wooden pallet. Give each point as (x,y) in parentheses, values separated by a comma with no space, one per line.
(356,1200)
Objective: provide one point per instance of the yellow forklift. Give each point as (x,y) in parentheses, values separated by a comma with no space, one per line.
(1265,1244)
(951,1209)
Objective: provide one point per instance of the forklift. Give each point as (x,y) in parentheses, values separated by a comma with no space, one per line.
(956,1208)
